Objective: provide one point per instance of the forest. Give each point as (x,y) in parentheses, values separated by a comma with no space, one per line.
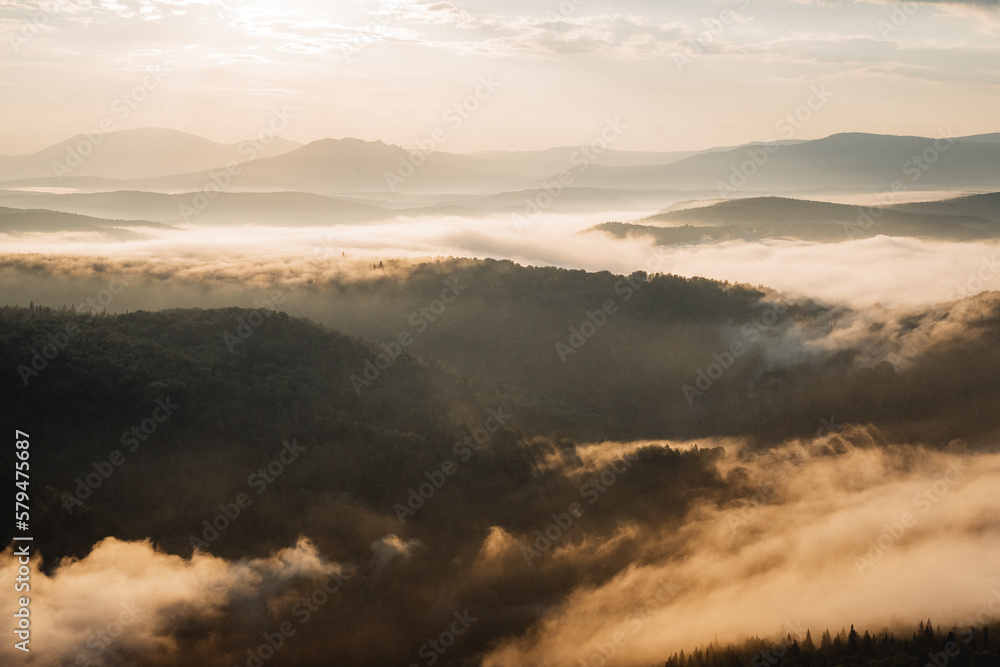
(966,647)
(236,432)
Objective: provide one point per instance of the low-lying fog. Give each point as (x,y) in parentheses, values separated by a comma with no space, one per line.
(891,271)
(836,532)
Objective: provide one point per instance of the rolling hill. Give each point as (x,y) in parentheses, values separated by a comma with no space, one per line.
(863,162)
(960,219)
(169,161)
(273,208)
(25,221)
(133,154)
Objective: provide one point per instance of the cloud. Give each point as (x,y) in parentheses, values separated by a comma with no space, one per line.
(887,270)
(391,546)
(438,24)
(127,602)
(689,542)
(862,536)
(984,16)
(613,35)
(975,3)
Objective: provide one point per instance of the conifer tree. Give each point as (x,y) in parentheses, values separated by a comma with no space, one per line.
(852,639)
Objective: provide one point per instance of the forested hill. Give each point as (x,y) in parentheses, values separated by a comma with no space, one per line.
(236,431)
(662,356)
(148,426)
(587,355)
(967,646)
(185,393)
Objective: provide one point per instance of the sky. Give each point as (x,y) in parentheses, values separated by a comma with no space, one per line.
(680,75)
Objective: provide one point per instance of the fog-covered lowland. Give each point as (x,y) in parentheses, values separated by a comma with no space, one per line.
(623,491)
(566,334)
(867,219)
(656,420)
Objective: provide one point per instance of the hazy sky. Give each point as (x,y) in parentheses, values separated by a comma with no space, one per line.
(681,74)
